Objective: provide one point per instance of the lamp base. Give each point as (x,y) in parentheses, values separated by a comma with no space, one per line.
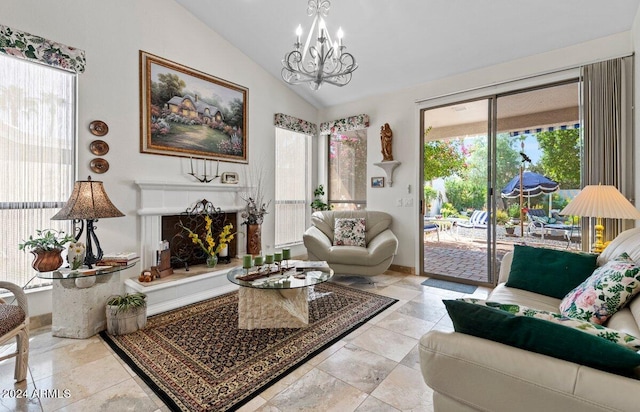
(598,246)
(90,258)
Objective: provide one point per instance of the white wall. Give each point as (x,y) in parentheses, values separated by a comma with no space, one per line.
(400,110)
(112,33)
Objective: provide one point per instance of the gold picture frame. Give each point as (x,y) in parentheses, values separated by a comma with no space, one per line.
(188,113)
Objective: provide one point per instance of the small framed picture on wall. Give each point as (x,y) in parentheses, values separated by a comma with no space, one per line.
(229,178)
(377,182)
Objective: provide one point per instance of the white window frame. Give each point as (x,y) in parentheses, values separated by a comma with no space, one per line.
(289,227)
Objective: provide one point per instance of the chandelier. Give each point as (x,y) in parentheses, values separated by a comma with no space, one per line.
(324,61)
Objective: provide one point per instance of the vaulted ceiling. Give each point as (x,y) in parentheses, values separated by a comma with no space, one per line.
(401,43)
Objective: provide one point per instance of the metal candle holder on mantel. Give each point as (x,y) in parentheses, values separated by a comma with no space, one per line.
(204,178)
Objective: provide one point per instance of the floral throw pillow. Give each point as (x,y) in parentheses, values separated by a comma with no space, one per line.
(349,232)
(612,335)
(603,293)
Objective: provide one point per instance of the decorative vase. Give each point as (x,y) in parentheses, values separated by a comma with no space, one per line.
(212,261)
(254,239)
(46,260)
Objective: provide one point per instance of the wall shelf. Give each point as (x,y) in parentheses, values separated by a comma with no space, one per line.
(388,167)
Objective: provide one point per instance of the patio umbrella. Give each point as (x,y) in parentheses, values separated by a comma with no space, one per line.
(528,184)
(533,184)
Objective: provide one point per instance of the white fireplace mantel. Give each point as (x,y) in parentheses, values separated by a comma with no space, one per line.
(163,198)
(159,199)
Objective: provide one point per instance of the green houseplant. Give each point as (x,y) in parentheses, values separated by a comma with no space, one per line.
(318,203)
(126,313)
(510,228)
(46,248)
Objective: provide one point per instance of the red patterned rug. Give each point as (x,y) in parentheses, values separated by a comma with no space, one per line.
(196,359)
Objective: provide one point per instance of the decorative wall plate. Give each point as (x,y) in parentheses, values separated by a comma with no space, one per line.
(99,147)
(98,128)
(99,165)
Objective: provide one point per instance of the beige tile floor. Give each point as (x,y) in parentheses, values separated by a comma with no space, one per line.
(375,368)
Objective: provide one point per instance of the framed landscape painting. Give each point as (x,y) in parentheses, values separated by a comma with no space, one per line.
(187,113)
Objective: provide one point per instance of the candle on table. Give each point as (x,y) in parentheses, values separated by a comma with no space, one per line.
(277,256)
(247,261)
(268,259)
(286,253)
(257,260)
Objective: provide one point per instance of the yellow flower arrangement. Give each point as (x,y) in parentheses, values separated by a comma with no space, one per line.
(209,245)
(225,237)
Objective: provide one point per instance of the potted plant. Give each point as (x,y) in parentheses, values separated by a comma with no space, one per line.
(126,313)
(318,203)
(510,228)
(46,247)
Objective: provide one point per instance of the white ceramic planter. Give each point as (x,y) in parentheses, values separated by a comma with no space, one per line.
(127,321)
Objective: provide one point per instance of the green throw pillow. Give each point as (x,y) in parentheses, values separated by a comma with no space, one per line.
(541,336)
(549,272)
(618,337)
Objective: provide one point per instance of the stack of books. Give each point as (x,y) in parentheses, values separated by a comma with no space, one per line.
(118,259)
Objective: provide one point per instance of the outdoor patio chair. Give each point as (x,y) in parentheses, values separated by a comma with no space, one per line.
(479,218)
(538,219)
(431,228)
(540,224)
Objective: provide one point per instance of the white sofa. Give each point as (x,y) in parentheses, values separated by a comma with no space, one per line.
(468,373)
(374,259)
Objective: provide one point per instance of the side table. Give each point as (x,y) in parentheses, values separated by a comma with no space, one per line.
(78,304)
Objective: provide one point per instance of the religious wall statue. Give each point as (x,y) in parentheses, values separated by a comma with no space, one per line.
(386,138)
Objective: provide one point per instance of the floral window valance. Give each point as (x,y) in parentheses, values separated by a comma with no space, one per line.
(293,123)
(358,122)
(40,50)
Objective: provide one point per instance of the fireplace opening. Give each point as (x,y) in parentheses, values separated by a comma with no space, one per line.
(184,252)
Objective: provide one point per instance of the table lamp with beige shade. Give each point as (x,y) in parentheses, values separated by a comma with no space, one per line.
(601,201)
(89,202)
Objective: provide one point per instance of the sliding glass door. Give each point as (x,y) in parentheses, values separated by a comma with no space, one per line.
(476,155)
(457,206)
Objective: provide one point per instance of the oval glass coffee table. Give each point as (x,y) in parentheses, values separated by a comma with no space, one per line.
(276,301)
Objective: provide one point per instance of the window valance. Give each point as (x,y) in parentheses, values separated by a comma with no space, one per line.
(357,122)
(40,50)
(285,121)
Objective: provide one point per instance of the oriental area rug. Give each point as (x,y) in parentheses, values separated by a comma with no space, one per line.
(196,359)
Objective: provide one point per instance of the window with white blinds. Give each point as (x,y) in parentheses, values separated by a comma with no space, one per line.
(37,130)
(292,187)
